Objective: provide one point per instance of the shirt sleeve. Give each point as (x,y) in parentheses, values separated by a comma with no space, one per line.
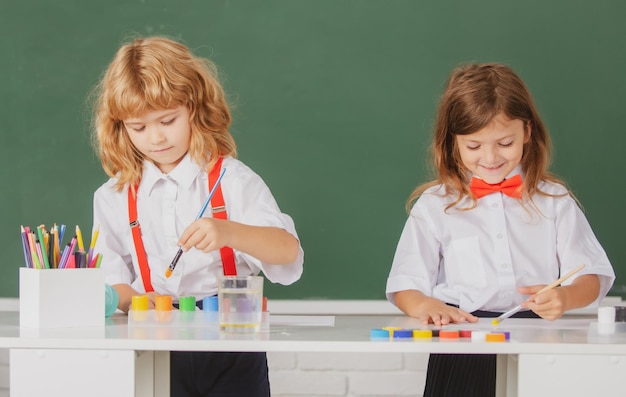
(116,256)
(577,244)
(259,208)
(416,261)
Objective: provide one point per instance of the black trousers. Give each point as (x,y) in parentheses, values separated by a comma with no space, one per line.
(464,375)
(219,374)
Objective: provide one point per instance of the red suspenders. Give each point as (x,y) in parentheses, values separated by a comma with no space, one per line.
(219,212)
(136,230)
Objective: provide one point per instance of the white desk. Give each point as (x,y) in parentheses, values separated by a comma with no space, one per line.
(564,357)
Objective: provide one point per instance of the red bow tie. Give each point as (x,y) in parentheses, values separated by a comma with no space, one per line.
(510,187)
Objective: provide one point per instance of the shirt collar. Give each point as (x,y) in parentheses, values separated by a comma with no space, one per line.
(183,174)
(515,171)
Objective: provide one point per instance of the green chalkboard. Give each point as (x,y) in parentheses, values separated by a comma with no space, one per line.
(333,106)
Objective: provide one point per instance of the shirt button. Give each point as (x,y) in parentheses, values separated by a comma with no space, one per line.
(494,205)
(499,236)
(505,265)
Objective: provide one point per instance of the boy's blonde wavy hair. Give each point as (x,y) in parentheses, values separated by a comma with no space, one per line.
(151,74)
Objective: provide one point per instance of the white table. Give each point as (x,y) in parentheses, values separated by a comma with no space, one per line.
(564,357)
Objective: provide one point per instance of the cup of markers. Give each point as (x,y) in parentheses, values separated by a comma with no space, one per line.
(42,248)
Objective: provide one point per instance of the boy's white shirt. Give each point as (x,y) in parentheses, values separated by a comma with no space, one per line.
(166,205)
(478,258)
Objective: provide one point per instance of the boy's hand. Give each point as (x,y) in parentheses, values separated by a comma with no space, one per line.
(205,234)
(269,244)
(152,299)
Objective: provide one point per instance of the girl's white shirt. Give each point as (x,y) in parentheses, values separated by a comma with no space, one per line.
(477,258)
(166,205)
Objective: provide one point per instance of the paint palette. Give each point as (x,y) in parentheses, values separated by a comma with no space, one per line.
(442,335)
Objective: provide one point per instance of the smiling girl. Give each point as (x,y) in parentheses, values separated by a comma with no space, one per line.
(493,228)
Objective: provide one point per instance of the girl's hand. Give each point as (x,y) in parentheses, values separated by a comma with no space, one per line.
(206,234)
(553,303)
(430,310)
(434,311)
(549,305)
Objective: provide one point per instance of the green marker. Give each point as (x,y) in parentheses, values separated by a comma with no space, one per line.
(46,264)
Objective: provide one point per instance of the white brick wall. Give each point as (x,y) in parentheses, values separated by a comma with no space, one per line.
(346,374)
(4,372)
(343,374)
(6,304)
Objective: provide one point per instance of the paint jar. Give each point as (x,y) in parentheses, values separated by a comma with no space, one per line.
(240,300)
(210,308)
(187,308)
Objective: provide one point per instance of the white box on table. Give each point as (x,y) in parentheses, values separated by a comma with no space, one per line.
(61,297)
